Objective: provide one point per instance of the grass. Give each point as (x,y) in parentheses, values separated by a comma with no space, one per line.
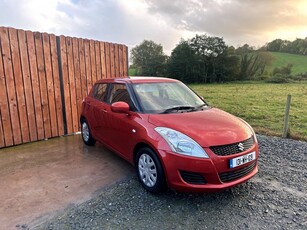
(282,59)
(132,72)
(262,105)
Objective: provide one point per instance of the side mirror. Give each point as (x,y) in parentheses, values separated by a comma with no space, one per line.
(120,107)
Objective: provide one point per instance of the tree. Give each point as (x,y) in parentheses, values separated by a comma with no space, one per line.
(275,45)
(148,59)
(184,64)
(298,46)
(203,59)
(211,50)
(252,63)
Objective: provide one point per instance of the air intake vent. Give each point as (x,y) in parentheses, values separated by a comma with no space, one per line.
(192,178)
(236,174)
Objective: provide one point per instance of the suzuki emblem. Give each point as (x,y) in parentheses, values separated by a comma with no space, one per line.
(241,147)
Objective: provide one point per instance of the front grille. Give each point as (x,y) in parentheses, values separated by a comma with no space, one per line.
(225,150)
(236,174)
(192,178)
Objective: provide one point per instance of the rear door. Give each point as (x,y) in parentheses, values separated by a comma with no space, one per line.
(99,108)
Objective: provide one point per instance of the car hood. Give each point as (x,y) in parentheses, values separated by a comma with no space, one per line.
(208,127)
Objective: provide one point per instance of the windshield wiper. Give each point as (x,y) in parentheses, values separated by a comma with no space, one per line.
(178,108)
(202,105)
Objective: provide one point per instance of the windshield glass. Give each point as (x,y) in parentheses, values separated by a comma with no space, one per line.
(166,97)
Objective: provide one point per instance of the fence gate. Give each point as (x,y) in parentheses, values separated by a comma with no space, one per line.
(43,79)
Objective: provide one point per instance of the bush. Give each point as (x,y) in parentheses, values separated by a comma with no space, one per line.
(284,70)
(279,79)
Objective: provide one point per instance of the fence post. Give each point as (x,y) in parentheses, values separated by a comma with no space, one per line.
(286,124)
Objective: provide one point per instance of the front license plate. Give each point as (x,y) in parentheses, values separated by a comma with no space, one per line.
(235,162)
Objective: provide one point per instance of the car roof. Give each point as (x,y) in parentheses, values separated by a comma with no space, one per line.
(138,79)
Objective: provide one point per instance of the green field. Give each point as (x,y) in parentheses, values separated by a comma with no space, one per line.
(261,104)
(132,72)
(282,59)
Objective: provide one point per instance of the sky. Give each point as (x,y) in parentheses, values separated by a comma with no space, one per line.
(165,22)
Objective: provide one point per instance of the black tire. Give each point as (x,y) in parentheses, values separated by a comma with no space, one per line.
(149,170)
(86,133)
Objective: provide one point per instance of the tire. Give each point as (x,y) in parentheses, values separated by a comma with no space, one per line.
(86,133)
(149,170)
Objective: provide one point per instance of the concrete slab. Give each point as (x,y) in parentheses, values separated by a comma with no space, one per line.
(38,179)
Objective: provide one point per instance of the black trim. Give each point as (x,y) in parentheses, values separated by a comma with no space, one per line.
(58,48)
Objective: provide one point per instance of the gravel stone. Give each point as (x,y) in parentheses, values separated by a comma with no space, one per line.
(274,199)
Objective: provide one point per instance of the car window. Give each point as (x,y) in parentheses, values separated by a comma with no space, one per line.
(100,90)
(119,92)
(160,96)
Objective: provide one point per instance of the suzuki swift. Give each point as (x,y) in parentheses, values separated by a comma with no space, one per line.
(170,134)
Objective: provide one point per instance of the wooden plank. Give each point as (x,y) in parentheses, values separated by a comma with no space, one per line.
(21,102)
(50,87)
(121,62)
(35,85)
(82,68)
(2,142)
(24,58)
(108,59)
(72,84)
(57,86)
(112,60)
(98,61)
(77,78)
(64,59)
(10,85)
(42,83)
(103,60)
(93,61)
(4,106)
(116,59)
(88,66)
(125,59)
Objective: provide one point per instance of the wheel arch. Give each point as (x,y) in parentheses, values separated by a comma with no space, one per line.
(136,149)
(82,118)
(140,145)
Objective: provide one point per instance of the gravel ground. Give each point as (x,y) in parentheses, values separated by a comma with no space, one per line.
(274,199)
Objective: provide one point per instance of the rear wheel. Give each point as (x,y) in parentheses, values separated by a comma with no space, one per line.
(150,171)
(86,133)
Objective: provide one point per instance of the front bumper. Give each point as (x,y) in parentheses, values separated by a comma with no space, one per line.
(190,174)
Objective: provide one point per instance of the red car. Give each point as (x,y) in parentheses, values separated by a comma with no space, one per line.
(170,134)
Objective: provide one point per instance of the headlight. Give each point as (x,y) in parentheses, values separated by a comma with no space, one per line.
(180,143)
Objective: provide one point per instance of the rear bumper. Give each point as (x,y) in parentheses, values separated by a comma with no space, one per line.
(184,173)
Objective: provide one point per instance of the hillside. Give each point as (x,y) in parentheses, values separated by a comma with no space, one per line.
(282,59)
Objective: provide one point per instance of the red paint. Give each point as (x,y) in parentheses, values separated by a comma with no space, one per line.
(122,130)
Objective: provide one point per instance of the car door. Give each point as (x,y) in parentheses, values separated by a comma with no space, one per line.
(121,127)
(98,111)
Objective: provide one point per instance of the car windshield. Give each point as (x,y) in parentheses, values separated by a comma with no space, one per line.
(167,97)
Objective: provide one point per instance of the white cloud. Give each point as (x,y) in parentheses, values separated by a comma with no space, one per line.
(163,21)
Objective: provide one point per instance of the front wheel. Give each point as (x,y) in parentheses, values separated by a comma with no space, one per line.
(149,170)
(86,134)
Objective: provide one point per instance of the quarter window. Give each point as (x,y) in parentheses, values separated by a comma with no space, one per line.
(100,91)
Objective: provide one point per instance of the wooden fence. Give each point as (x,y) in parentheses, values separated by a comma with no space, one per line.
(43,79)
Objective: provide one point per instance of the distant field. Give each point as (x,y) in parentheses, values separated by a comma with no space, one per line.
(261,104)
(132,72)
(282,59)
